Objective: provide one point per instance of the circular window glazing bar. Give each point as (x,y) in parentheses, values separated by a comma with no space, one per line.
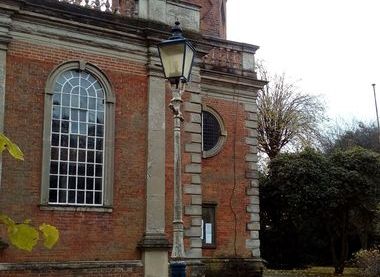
(213,132)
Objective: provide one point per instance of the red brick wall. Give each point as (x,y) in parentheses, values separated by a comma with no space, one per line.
(126,7)
(224,182)
(213,17)
(217,179)
(84,235)
(28,67)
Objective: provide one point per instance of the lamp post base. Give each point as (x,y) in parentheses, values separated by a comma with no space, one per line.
(177,269)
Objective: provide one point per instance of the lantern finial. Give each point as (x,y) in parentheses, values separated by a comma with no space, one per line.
(176,31)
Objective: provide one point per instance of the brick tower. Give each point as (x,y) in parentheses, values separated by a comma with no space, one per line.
(213,17)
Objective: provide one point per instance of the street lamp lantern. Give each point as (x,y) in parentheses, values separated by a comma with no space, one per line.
(177,56)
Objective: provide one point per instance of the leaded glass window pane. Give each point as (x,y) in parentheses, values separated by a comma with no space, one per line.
(211,131)
(77,140)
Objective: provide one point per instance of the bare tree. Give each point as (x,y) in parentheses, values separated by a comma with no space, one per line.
(287,117)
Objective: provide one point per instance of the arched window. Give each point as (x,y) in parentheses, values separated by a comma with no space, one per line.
(78,137)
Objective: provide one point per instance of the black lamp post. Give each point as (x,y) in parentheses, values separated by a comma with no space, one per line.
(177,56)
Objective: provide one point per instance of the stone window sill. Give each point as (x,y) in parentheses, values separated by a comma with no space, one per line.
(76,208)
(209,246)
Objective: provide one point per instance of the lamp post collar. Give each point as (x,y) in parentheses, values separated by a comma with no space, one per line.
(176,31)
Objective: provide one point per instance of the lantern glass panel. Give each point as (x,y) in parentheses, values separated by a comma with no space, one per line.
(188,62)
(172,59)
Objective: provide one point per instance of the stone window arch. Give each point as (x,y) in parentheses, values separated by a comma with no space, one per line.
(78,139)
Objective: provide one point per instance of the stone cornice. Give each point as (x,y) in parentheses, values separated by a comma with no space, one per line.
(231,80)
(70,25)
(186,4)
(5,25)
(4,41)
(233,45)
(230,86)
(110,24)
(79,19)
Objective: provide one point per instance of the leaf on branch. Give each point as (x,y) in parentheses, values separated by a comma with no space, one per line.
(6,220)
(51,235)
(23,236)
(13,149)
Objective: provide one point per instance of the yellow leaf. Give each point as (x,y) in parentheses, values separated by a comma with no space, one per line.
(16,152)
(13,149)
(4,141)
(23,236)
(6,220)
(51,235)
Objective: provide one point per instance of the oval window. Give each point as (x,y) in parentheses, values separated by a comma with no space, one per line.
(213,133)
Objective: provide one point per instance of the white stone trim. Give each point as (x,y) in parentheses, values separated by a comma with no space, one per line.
(193,147)
(253,206)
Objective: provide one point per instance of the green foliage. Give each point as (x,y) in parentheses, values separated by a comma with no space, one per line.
(357,134)
(311,202)
(24,235)
(291,195)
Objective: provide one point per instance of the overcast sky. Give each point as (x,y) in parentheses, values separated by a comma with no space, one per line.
(331,46)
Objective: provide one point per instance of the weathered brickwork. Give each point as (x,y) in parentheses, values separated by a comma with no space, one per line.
(224,182)
(28,67)
(125,7)
(213,17)
(56,55)
(120,240)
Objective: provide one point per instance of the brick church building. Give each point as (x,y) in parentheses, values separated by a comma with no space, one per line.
(83,94)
